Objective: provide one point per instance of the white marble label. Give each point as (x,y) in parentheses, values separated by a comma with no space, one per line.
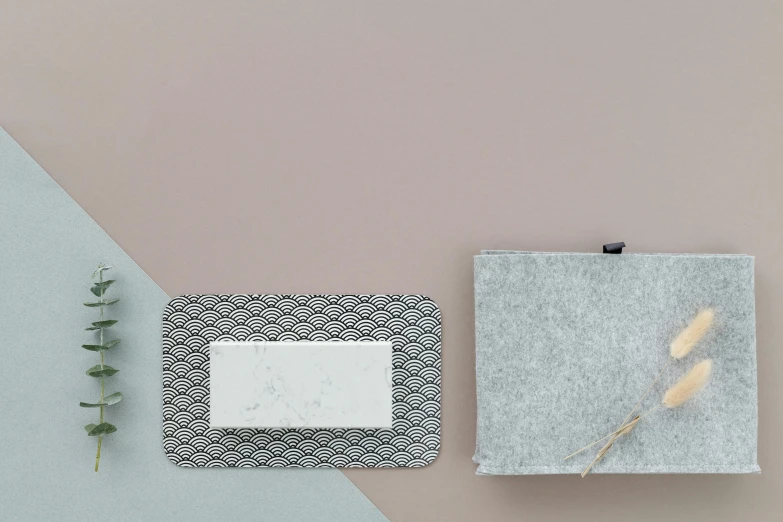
(333,384)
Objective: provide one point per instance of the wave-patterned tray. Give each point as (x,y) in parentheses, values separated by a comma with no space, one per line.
(411,322)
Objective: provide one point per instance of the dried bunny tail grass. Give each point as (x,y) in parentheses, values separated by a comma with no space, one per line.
(688,338)
(689,385)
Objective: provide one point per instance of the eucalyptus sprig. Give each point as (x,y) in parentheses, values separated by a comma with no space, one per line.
(102,370)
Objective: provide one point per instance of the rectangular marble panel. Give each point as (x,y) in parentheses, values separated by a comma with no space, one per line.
(332,384)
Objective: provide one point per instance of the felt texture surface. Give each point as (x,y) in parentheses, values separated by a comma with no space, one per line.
(48,248)
(567,343)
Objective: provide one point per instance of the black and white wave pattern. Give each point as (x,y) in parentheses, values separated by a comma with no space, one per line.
(411,322)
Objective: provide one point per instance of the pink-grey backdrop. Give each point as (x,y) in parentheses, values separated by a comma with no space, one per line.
(354,146)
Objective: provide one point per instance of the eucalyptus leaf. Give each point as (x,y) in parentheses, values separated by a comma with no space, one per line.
(103,324)
(101,347)
(102,429)
(97,371)
(114,398)
(104,303)
(89,428)
(100,287)
(102,268)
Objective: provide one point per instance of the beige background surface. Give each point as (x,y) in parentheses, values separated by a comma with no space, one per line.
(242,146)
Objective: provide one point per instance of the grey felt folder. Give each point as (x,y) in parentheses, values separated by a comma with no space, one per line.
(567,343)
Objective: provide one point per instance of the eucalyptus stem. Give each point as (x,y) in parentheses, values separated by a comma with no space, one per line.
(98,455)
(103,382)
(101,370)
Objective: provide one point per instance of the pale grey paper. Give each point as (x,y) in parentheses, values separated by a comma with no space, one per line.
(567,343)
(48,248)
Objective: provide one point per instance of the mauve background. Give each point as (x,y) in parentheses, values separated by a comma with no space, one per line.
(354,146)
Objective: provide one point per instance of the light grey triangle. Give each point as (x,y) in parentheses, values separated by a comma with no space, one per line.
(48,249)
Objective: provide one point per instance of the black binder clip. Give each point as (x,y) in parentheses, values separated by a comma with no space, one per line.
(614,248)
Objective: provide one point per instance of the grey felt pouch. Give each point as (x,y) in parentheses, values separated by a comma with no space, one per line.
(566,344)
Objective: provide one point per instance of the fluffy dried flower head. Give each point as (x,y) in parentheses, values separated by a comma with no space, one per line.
(688,338)
(689,385)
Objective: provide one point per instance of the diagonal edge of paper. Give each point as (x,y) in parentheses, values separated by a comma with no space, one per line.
(49,247)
